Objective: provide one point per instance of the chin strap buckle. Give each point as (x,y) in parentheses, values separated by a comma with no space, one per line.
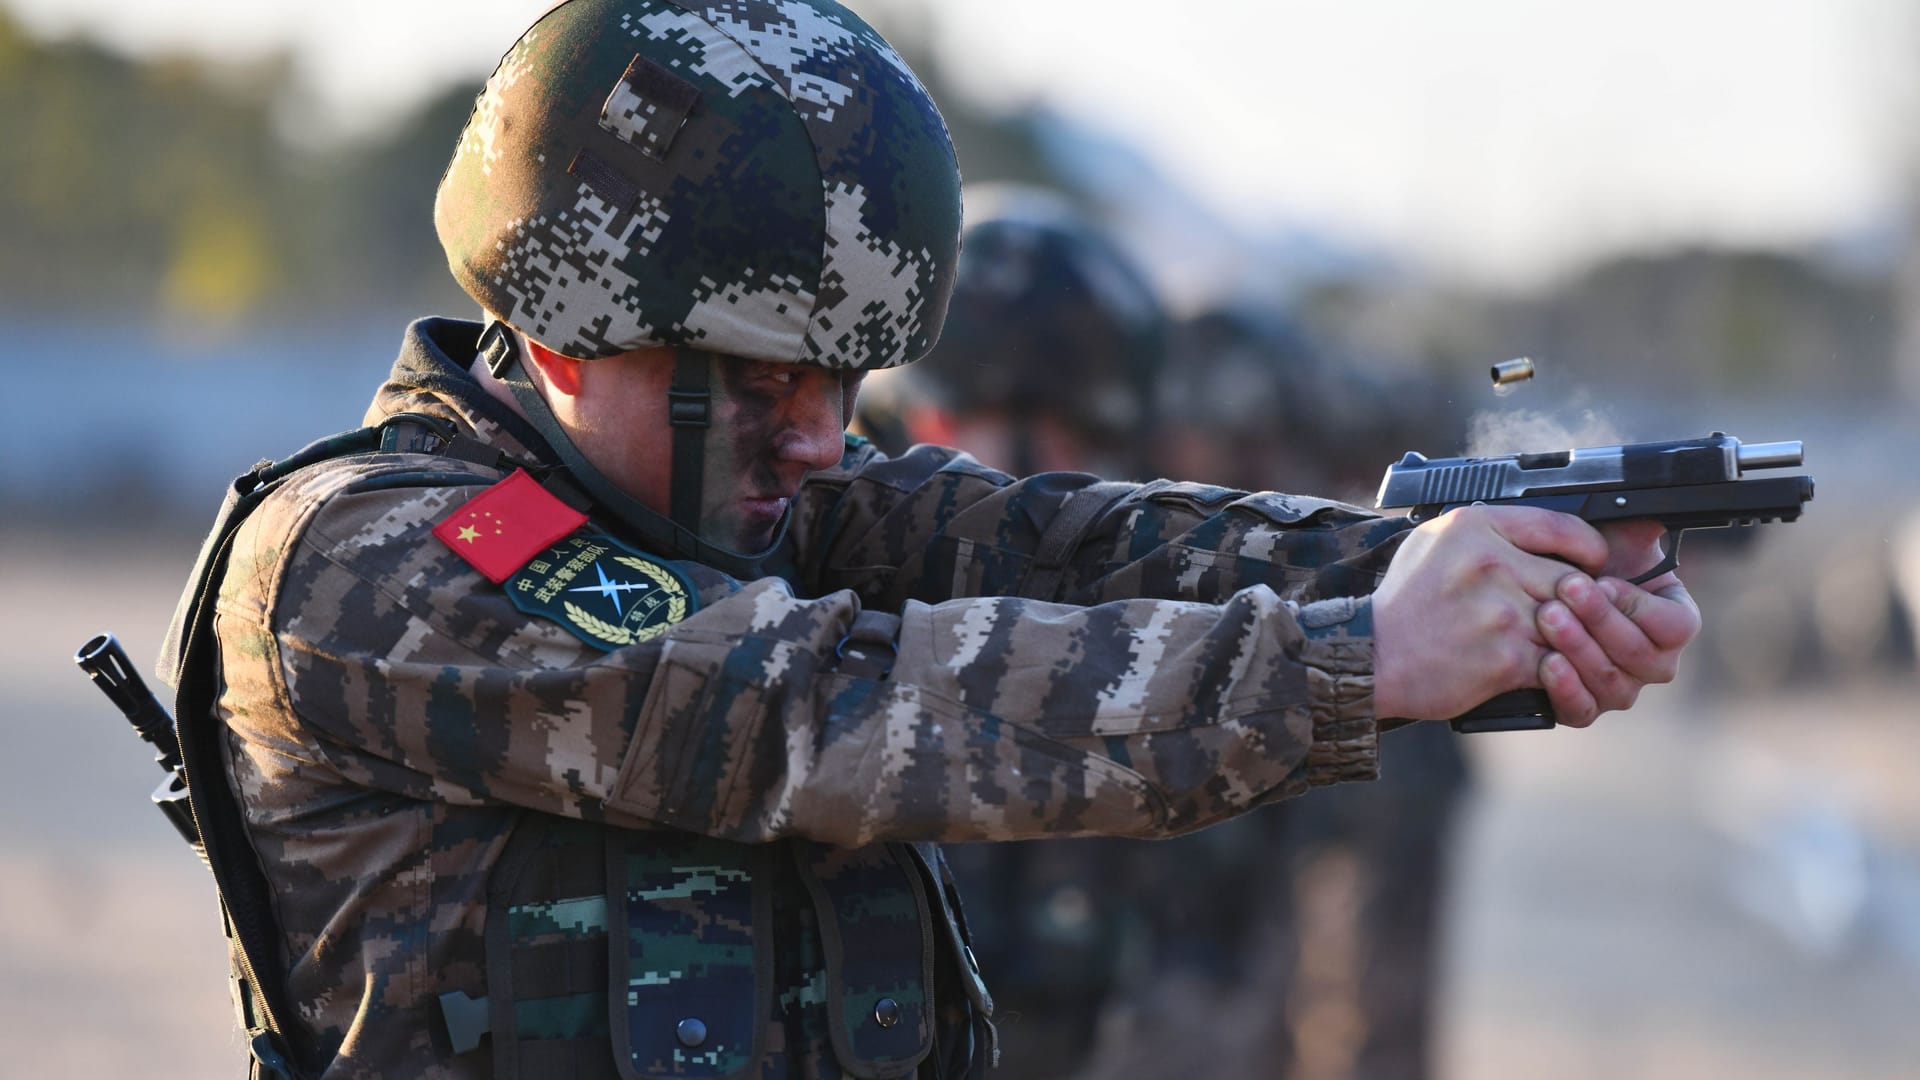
(496,347)
(689,408)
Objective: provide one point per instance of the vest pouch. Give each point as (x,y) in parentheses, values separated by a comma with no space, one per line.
(547,971)
(969,1044)
(690,954)
(877,936)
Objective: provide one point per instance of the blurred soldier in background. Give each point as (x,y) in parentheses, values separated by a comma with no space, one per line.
(1353,948)
(1319,962)
(1052,349)
(1248,395)
(1051,354)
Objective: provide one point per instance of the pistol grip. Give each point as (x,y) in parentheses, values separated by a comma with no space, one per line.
(1516,710)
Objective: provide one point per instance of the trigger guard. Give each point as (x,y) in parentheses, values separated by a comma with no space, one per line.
(1670,562)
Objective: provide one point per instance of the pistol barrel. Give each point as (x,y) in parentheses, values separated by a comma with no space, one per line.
(1772,455)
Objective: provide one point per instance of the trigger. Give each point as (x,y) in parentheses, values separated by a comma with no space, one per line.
(1670,562)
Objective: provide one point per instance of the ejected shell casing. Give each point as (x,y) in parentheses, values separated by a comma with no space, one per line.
(1508,372)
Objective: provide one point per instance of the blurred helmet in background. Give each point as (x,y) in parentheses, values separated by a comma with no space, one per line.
(1244,402)
(1050,323)
(1251,401)
(766,181)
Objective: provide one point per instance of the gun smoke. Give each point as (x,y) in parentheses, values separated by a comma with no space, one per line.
(1491,433)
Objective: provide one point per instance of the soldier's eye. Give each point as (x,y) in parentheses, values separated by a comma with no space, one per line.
(768,375)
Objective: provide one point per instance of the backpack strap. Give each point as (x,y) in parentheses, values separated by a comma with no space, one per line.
(1054,553)
(191,661)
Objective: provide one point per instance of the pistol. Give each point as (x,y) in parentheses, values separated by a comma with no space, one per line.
(106,663)
(1687,484)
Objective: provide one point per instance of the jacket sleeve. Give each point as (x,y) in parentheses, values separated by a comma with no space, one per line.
(398,668)
(935,524)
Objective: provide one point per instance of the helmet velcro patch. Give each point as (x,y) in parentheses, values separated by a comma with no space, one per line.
(648,107)
(606,181)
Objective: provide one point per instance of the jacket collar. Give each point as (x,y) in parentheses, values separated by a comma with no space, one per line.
(430,376)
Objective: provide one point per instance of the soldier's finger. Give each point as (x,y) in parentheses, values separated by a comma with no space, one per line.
(1609,686)
(1466,550)
(1633,547)
(1573,706)
(1556,535)
(1667,616)
(1624,639)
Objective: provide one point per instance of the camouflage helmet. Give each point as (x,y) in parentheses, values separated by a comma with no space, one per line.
(1048,316)
(759,178)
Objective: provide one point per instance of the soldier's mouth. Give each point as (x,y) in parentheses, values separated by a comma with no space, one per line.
(758,506)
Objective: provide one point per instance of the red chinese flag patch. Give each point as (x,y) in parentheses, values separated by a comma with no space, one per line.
(501,529)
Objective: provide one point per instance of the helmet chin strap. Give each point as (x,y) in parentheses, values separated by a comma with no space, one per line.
(690,413)
(689,410)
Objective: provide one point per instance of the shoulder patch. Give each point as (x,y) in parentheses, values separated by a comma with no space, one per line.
(500,529)
(605,593)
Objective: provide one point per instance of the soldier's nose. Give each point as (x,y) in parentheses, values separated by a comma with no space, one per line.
(816,422)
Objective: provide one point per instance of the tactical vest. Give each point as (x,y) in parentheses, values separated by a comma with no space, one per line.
(662,945)
(670,947)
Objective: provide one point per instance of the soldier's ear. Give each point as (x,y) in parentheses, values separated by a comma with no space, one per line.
(560,372)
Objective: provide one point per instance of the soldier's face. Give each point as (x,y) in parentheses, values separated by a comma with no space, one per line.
(771,425)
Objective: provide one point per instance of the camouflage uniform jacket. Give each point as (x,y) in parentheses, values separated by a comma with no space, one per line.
(394,720)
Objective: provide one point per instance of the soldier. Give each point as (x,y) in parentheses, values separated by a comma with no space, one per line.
(593,712)
(1052,349)
(1053,343)
(1351,954)
(1052,357)
(1246,395)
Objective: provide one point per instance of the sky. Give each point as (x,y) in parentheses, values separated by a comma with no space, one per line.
(1501,140)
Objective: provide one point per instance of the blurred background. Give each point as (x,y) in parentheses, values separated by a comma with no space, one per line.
(1695,215)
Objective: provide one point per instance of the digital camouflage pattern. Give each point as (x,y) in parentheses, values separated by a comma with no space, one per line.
(395,719)
(759,178)
(694,963)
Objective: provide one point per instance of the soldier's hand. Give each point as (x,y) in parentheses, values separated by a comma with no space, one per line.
(1458,615)
(1609,638)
